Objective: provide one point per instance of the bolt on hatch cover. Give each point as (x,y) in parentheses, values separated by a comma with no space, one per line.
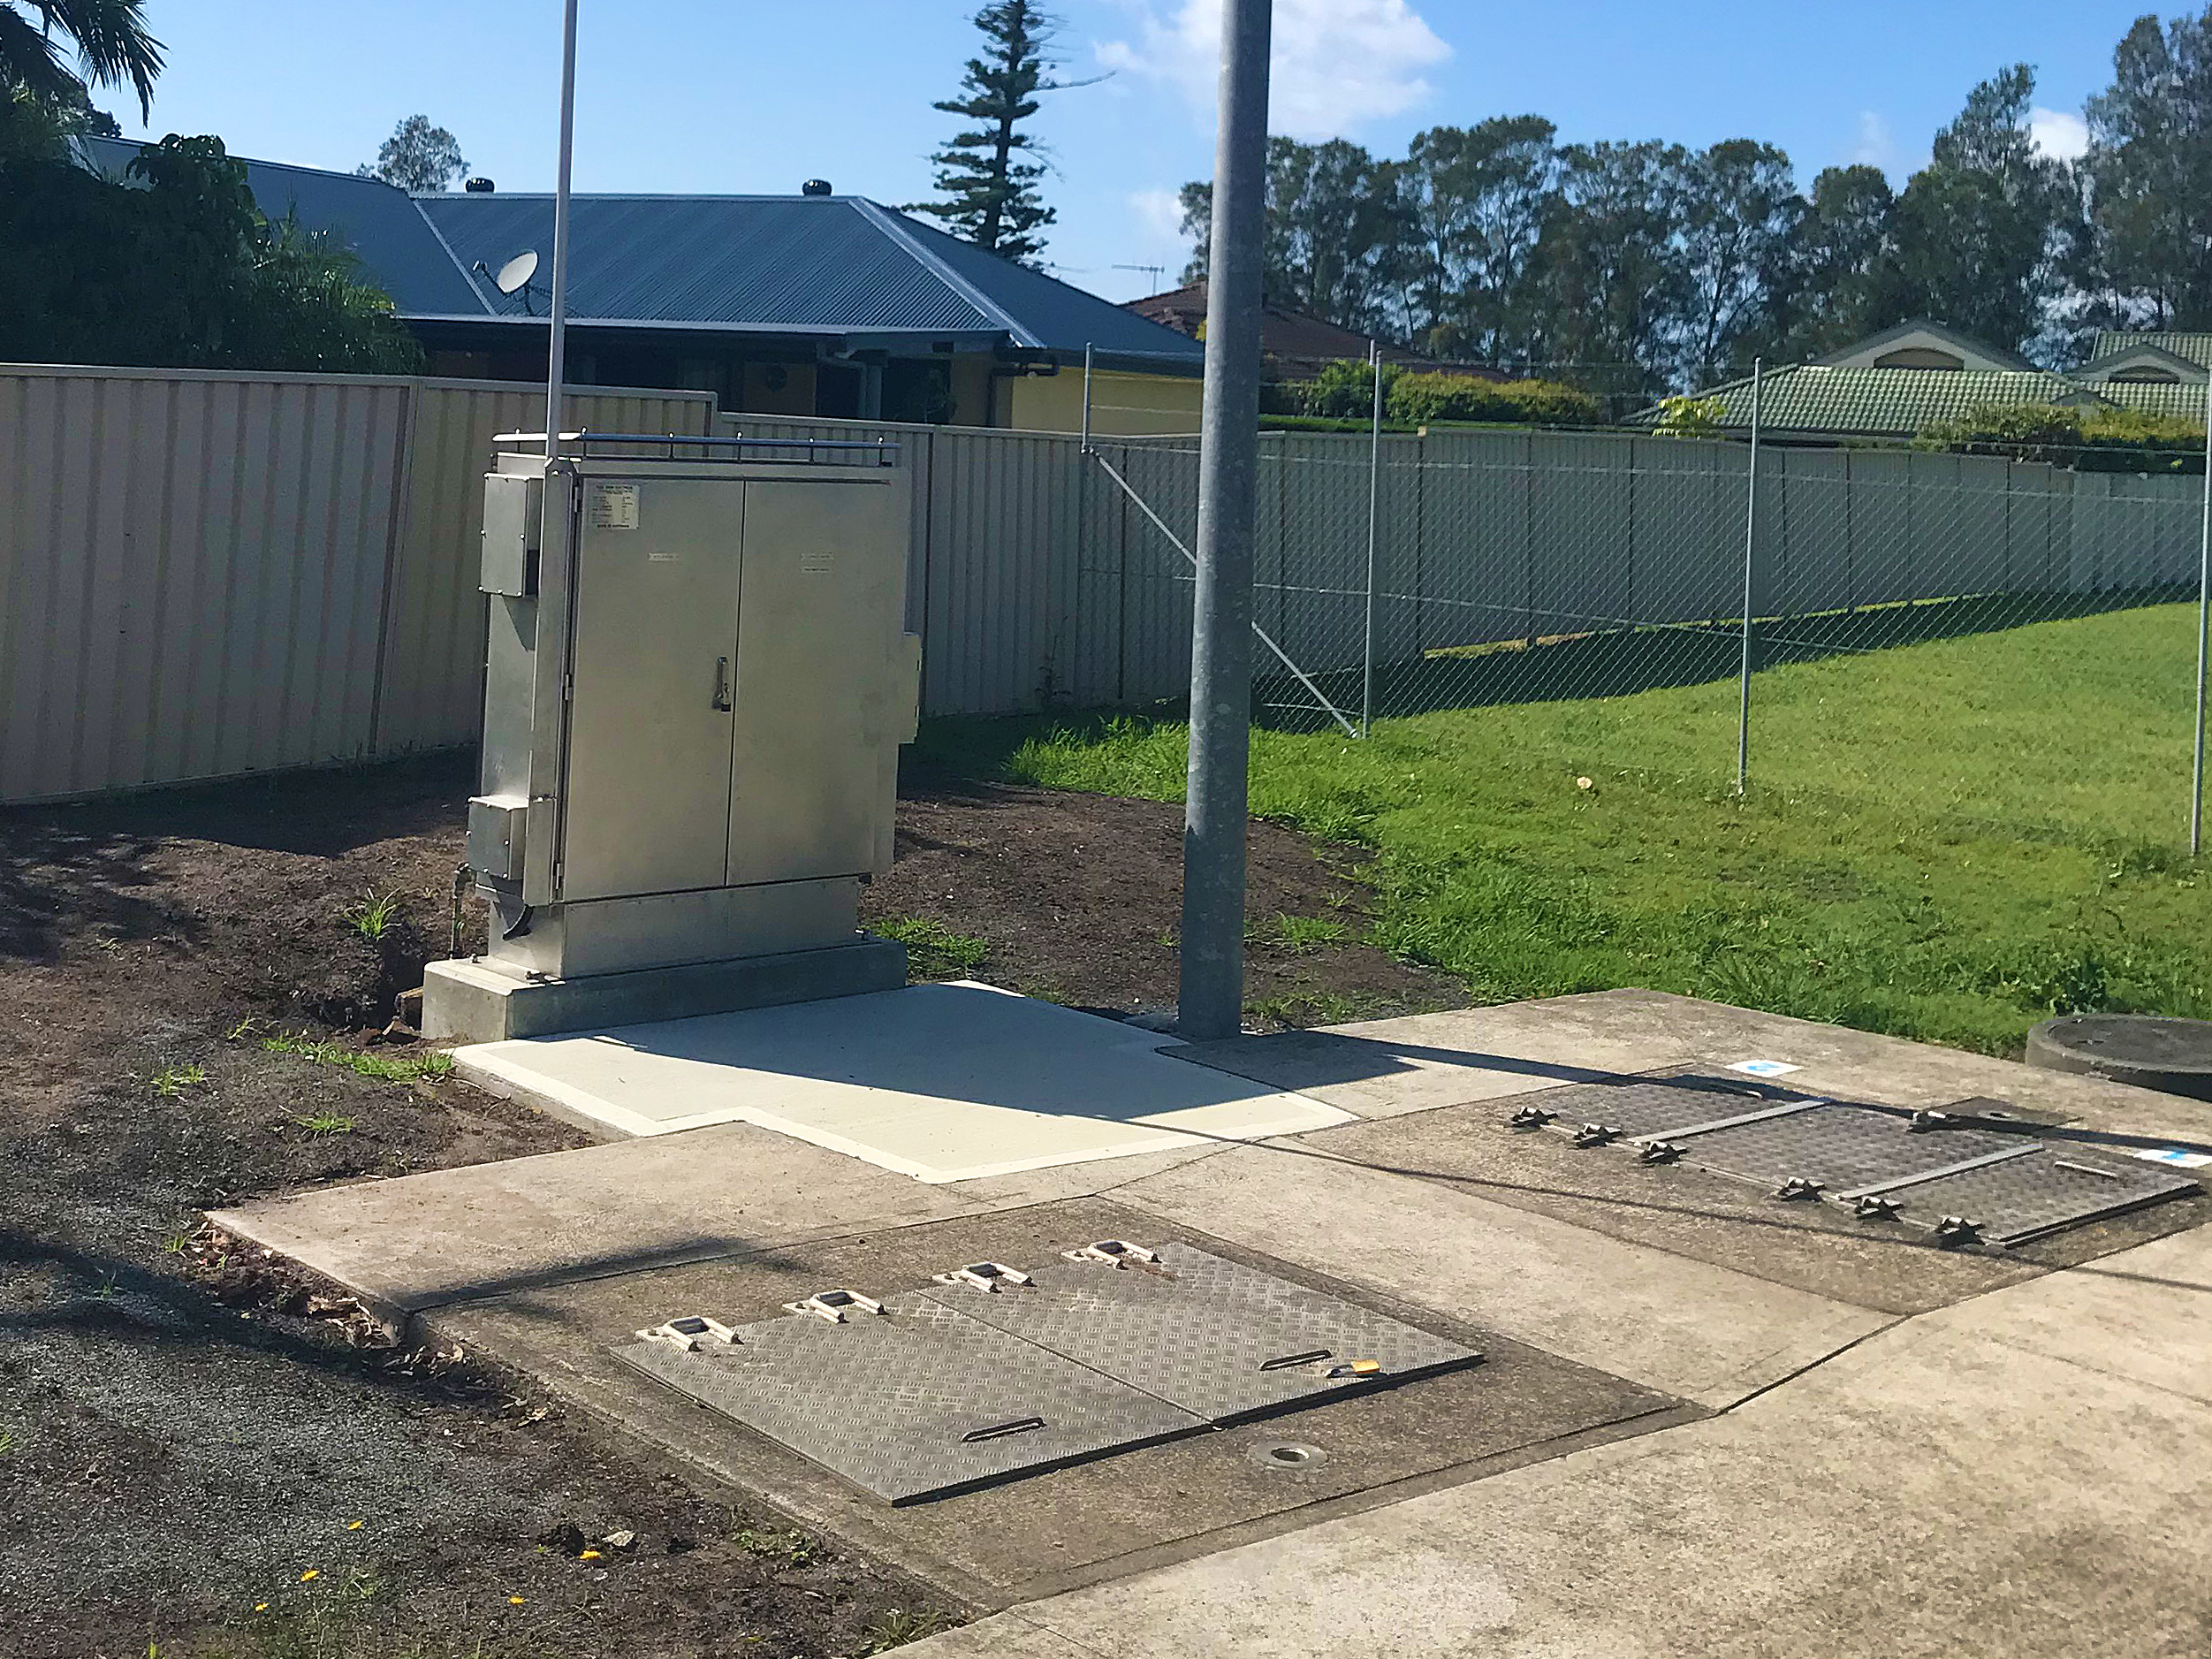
(914,1402)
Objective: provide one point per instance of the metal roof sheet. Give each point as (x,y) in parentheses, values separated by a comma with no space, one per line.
(841,265)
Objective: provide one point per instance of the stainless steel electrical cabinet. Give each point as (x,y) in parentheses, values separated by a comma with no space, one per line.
(696,684)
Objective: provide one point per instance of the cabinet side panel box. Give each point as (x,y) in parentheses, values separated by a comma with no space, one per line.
(495,831)
(511,538)
(696,682)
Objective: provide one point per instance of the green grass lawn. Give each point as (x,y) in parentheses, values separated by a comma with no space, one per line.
(1946,842)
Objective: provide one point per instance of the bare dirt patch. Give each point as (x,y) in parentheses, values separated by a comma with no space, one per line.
(189,1434)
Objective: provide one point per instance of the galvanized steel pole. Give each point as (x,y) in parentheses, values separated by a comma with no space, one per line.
(1210,1000)
(556,350)
(1374,496)
(1751,539)
(2204,634)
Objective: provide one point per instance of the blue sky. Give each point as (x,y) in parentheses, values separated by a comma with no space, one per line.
(743,95)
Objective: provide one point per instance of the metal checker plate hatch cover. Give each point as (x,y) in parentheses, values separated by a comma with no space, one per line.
(2022,1199)
(1839,1146)
(916,1402)
(1216,1337)
(1643,1109)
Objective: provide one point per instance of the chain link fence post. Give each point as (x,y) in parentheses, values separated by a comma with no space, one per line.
(1751,545)
(2204,632)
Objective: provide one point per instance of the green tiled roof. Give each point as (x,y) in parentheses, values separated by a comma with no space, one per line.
(2196,347)
(1898,402)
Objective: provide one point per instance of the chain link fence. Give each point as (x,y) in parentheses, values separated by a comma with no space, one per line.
(2006,641)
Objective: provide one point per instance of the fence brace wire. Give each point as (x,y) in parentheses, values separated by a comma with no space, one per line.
(1259,633)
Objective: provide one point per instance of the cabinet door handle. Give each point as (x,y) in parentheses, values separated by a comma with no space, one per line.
(722,683)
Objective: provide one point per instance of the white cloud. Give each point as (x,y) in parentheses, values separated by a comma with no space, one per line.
(1335,64)
(1877,145)
(1160,212)
(2061,136)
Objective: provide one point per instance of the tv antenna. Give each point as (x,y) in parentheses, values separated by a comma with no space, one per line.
(1155,272)
(513,277)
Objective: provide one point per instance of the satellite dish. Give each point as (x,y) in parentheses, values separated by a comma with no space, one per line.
(517,271)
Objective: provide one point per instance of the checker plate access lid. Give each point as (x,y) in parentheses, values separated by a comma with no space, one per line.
(913,1403)
(1214,1337)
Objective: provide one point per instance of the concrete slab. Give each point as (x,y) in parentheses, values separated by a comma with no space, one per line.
(1829,1059)
(1937,1491)
(1819,1248)
(939,1082)
(1686,1328)
(1384,1067)
(486,1230)
(1070,1525)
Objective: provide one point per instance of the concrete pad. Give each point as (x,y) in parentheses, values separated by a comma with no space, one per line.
(939,1082)
(1044,1532)
(1933,1494)
(2143,1314)
(483,1230)
(1834,1060)
(1686,1328)
(1683,1211)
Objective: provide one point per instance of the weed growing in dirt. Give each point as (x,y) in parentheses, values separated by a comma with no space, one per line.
(373,916)
(171,1081)
(1322,1007)
(7,1443)
(368,1064)
(1305,934)
(933,950)
(327,1124)
(787,1550)
(897,1628)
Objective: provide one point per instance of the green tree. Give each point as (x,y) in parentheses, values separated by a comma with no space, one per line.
(418,158)
(1838,282)
(988,194)
(2150,172)
(177,268)
(1979,230)
(1475,200)
(1614,274)
(113,48)
(1337,240)
(1740,213)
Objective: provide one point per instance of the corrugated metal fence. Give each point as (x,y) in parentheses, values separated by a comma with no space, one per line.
(203,575)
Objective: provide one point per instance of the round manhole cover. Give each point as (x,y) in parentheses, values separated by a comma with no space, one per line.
(1289,1455)
(2146,1050)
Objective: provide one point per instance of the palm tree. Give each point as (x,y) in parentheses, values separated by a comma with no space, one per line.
(113,45)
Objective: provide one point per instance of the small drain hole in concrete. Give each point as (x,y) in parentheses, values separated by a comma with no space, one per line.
(1288,1454)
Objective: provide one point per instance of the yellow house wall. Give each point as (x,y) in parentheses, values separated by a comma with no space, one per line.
(1122,405)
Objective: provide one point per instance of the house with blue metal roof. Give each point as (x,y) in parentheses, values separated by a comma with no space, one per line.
(814,304)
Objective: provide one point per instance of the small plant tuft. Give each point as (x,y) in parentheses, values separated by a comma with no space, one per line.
(389,1067)
(788,1547)
(897,1628)
(330,1124)
(171,1081)
(373,916)
(934,951)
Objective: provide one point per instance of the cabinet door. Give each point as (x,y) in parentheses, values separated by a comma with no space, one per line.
(824,579)
(648,807)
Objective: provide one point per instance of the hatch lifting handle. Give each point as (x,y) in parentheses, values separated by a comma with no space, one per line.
(722,684)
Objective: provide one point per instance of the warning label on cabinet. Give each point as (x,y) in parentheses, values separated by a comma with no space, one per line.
(613,507)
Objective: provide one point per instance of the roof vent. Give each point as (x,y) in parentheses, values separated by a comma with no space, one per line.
(814,187)
(478,186)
